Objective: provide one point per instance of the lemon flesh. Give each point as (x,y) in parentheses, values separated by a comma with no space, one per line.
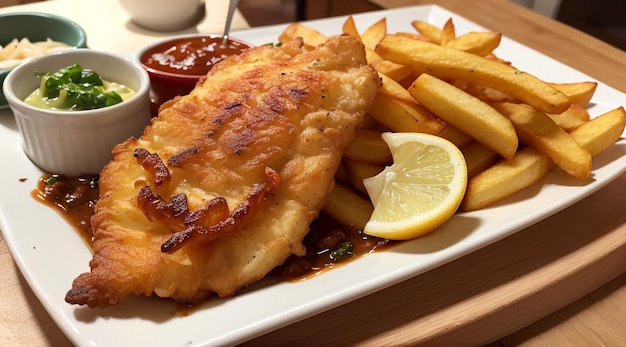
(420,191)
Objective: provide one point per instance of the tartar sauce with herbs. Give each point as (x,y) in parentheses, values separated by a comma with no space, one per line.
(73,89)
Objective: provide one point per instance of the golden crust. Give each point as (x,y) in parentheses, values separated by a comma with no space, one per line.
(282,109)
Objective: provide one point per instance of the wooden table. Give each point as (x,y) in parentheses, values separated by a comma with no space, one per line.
(560,281)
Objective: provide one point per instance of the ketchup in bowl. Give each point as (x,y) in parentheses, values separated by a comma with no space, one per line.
(176,64)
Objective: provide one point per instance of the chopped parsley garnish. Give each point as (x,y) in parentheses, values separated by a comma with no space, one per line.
(76,88)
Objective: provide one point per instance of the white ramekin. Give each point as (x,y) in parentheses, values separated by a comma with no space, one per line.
(73,143)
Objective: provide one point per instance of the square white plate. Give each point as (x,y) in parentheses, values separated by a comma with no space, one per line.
(51,254)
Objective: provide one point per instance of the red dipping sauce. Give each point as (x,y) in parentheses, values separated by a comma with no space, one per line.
(176,65)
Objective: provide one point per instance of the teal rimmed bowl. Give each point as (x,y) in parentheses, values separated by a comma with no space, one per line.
(36,27)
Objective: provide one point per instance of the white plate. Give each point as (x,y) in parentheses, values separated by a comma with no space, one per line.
(50,253)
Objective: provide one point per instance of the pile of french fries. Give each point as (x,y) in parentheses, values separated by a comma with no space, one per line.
(512,127)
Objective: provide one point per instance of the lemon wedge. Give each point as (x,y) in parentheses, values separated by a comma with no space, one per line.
(420,191)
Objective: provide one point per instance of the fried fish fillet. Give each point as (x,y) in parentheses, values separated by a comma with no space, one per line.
(222,186)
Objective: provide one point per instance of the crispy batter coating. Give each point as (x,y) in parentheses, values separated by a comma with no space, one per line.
(222,186)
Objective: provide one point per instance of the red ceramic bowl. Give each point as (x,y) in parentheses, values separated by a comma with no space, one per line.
(177,63)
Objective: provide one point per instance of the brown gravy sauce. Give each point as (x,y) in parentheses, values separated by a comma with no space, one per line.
(328,245)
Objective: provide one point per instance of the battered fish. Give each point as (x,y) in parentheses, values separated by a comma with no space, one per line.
(222,186)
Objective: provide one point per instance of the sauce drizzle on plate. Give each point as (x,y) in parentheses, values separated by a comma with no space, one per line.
(327,243)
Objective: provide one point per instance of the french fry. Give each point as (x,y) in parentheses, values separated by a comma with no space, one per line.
(341,175)
(374,33)
(372,124)
(572,118)
(601,132)
(369,147)
(448,32)
(494,95)
(580,93)
(455,136)
(486,94)
(478,43)
(428,30)
(403,116)
(492,56)
(394,90)
(467,113)
(348,208)
(537,130)
(407,81)
(350,27)
(390,69)
(358,171)
(414,36)
(451,64)
(506,178)
(311,37)
(529,165)
(478,158)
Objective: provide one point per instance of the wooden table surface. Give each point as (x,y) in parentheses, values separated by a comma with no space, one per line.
(560,282)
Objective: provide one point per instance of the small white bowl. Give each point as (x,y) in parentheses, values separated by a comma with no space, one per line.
(164,15)
(184,59)
(73,143)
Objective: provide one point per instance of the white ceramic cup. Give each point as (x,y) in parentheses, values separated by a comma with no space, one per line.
(73,143)
(164,15)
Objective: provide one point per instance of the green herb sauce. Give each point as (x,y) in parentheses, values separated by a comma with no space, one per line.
(74,88)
